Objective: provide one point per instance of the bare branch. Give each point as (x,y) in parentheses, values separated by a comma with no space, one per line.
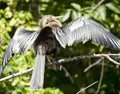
(83,89)
(65,60)
(101,77)
(112,60)
(92,65)
(97,5)
(16,75)
(67,74)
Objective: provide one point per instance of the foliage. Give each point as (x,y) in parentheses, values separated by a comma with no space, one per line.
(14,13)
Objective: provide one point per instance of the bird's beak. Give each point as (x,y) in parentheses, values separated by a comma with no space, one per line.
(58,17)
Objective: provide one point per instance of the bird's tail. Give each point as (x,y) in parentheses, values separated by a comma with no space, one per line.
(37,79)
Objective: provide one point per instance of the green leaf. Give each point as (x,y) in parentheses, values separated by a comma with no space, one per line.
(101,48)
(79,14)
(74,15)
(27,1)
(8,14)
(113,7)
(48,91)
(102,12)
(76,6)
(66,15)
(21,14)
(15,81)
(12,22)
(29,15)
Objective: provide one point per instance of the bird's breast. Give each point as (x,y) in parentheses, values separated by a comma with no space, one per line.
(47,39)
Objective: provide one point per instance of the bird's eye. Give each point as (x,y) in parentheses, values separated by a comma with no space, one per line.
(47,22)
(52,20)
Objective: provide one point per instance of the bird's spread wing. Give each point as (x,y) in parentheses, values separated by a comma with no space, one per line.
(84,29)
(20,42)
(60,36)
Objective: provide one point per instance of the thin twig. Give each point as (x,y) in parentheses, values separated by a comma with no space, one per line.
(97,5)
(101,77)
(112,60)
(92,65)
(67,74)
(83,89)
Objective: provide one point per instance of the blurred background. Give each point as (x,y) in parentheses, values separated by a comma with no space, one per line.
(15,13)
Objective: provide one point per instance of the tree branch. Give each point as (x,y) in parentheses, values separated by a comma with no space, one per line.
(101,77)
(67,74)
(92,65)
(97,5)
(65,60)
(81,57)
(16,75)
(82,90)
(112,60)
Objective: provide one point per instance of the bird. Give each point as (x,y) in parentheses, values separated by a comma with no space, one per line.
(51,36)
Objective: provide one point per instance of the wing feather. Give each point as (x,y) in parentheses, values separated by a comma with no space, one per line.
(84,29)
(20,42)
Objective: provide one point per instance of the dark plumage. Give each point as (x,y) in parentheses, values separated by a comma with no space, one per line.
(51,35)
(48,40)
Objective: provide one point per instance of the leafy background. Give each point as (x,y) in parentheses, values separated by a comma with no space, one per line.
(14,13)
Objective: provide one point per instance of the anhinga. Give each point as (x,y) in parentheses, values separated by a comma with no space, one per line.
(52,35)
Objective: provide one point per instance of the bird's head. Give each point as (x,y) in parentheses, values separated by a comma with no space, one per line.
(51,21)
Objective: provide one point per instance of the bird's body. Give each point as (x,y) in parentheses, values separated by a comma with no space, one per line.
(51,36)
(47,39)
